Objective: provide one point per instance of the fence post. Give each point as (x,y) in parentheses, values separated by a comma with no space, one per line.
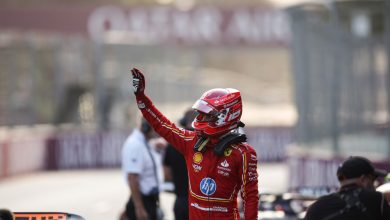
(387,42)
(335,90)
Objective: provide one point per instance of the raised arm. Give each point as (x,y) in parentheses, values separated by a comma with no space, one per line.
(176,136)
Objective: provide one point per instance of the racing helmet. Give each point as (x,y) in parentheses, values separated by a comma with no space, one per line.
(219,111)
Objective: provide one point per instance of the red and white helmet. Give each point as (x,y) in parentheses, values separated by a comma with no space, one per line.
(219,111)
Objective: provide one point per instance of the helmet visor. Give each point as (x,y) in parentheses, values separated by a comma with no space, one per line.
(204,107)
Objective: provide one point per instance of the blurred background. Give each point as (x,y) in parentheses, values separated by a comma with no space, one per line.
(314,78)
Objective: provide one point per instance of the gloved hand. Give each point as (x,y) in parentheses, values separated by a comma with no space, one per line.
(138,82)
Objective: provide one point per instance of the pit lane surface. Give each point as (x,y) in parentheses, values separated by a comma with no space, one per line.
(97,194)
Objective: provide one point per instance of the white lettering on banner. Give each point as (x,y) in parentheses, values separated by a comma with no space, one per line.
(238,27)
(159,20)
(208,24)
(136,22)
(89,150)
(200,26)
(105,18)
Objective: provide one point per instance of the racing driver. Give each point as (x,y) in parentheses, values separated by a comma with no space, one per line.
(219,161)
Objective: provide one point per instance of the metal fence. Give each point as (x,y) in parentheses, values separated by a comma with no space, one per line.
(82,88)
(48,79)
(341,77)
(41,77)
(55,71)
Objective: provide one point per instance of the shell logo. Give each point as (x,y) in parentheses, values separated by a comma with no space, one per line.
(197,158)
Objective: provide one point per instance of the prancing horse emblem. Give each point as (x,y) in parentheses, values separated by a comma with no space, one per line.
(227,152)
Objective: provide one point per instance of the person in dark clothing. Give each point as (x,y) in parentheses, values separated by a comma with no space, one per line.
(175,170)
(356,198)
(6,214)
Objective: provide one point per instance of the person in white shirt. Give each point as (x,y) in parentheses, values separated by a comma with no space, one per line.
(141,165)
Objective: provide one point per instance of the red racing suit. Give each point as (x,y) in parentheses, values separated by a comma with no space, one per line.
(214,181)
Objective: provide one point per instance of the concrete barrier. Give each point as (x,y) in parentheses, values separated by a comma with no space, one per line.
(23,149)
(314,171)
(270,142)
(28,149)
(74,150)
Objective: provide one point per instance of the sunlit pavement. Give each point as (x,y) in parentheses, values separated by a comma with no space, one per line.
(96,194)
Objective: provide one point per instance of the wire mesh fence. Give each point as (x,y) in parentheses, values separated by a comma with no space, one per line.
(40,76)
(340,63)
(50,79)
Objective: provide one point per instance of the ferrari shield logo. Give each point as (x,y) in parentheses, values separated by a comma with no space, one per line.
(227,152)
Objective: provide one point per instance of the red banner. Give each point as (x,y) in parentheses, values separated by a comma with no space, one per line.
(156,25)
